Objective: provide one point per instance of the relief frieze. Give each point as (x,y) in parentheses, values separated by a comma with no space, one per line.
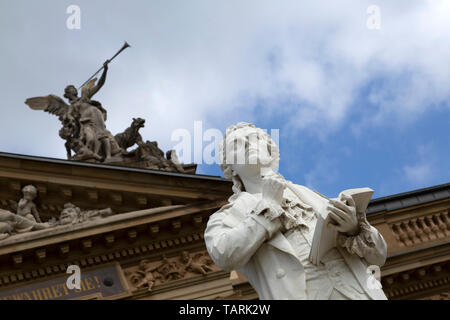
(150,273)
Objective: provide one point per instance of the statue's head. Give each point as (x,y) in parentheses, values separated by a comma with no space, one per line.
(247,150)
(70,92)
(69,214)
(184,256)
(138,123)
(29,192)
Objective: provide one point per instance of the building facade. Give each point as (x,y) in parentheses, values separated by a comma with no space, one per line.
(138,234)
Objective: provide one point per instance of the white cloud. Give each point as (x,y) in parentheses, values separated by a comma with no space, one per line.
(418,174)
(422,170)
(214,60)
(324,173)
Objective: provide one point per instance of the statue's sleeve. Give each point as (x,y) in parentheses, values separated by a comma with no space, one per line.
(231,242)
(368,243)
(89,89)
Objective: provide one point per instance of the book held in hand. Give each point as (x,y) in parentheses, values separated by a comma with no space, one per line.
(325,237)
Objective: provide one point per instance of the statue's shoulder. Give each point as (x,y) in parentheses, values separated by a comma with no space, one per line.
(304,189)
(307,196)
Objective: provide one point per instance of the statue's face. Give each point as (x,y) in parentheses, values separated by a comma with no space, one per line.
(29,192)
(68,215)
(247,152)
(28,195)
(71,92)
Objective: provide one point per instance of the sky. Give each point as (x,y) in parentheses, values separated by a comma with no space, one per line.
(360,97)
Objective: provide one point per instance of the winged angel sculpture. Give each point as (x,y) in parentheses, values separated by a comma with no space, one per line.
(87,139)
(83,121)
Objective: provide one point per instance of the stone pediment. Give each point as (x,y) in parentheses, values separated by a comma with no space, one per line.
(136,219)
(98,186)
(72,231)
(128,215)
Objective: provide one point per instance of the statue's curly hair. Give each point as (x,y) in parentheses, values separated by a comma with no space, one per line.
(66,90)
(227,168)
(30,189)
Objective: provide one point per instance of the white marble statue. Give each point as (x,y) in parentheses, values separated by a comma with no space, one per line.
(266,230)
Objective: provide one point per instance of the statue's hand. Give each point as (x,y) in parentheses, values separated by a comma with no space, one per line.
(343,214)
(272,190)
(105,64)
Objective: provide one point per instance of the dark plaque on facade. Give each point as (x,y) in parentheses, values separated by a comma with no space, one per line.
(100,283)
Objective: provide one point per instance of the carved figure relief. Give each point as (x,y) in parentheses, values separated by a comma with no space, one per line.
(71,214)
(143,277)
(24,215)
(26,207)
(195,264)
(148,274)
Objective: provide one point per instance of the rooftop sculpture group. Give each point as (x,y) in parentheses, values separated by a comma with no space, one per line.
(86,135)
(87,139)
